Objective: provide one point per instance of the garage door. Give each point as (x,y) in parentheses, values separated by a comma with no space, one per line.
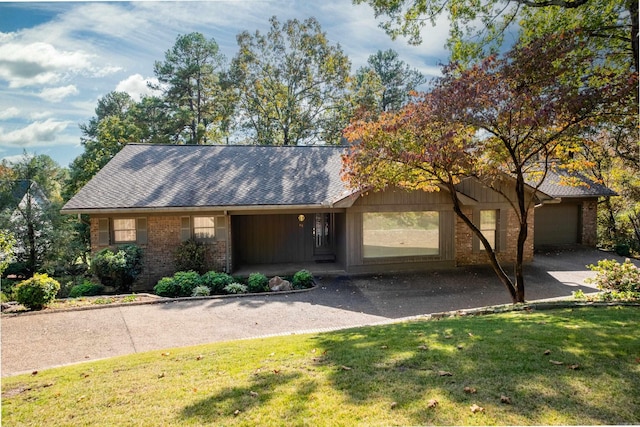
(557,225)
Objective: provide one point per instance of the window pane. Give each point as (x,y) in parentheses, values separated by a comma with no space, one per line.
(204,227)
(488,226)
(397,234)
(124,230)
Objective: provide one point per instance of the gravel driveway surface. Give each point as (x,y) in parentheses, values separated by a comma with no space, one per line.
(38,341)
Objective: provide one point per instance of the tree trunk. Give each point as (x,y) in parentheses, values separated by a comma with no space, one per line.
(633,10)
(493,259)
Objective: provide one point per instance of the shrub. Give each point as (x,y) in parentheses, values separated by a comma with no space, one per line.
(302,280)
(216,282)
(200,291)
(257,282)
(190,256)
(236,288)
(188,281)
(36,292)
(613,276)
(86,289)
(119,269)
(167,287)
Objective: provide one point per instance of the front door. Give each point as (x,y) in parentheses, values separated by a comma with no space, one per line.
(323,235)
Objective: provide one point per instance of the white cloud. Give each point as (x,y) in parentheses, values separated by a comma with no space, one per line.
(38,63)
(136,86)
(9,113)
(57,94)
(35,134)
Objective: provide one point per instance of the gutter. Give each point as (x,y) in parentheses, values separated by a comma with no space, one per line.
(176,209)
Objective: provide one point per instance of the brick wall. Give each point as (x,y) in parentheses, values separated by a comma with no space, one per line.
(589,230)
(163,239)
(466,255)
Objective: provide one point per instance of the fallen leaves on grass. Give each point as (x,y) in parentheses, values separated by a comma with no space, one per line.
(547,352)
(574,367)
(345,368)
(505,399)
(423,347)
(432,403)
(253,394)
(475,408)
(394,405)
(556,362)
(470,390)
(445,374)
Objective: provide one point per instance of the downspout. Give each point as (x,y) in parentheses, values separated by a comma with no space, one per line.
(228,245)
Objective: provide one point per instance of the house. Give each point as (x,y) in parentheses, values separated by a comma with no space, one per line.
(257,206)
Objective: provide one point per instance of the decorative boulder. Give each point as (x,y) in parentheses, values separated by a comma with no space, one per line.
(277,283)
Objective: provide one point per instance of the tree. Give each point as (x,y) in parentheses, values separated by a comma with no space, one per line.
(467,39)
(504,121)
(397,78)
(190,81)
(292,84)
(7,241)
(29,206)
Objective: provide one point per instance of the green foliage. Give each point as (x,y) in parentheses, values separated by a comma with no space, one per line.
(613,276)
(167,287)
(257,282)
(6,249)
(216,281)
(86,289)
(188,281)
(190,256)
(292,84)
(236,288)
(302,280)
(119,269)
(201,291)
(36,292)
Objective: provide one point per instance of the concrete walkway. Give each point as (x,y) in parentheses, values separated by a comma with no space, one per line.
(39,341)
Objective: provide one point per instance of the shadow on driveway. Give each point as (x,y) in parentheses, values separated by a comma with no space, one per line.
(34,342)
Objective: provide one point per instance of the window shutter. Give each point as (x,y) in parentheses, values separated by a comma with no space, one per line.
(141,231)
(221,228)
(185,228)
(103,232)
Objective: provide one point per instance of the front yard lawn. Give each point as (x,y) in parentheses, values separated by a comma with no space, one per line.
(562,367)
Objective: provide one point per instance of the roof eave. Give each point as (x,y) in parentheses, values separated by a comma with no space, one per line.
(177,209)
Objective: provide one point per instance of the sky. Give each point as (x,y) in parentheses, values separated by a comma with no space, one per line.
(58,58)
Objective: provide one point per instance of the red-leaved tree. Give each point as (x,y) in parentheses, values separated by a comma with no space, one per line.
(504,121)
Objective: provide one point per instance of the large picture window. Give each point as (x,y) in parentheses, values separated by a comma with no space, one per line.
(400,234)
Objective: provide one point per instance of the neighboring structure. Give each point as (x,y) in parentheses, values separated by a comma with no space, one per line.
(571,217)
(257,205)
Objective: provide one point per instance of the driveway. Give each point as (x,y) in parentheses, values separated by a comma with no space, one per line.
(38,341)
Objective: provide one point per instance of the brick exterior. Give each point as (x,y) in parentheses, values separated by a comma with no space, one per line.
(466,255)
(163,239)
(589,220)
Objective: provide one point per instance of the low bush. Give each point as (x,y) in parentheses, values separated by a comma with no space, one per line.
(201,291)
(37,292)
(302,280)
(257,282)
(613,276)
(86,289)
(236,288)
(216,282)
(188,281)
(167,287)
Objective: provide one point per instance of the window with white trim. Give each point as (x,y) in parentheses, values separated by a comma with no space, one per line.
(124,230)
(489,227)
(203,228)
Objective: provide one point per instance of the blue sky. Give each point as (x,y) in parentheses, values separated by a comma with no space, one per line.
(58,58)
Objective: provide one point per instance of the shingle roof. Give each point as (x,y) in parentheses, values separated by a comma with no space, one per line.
(174,176)
(558,183)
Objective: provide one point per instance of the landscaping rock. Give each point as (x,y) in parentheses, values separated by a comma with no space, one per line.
(277,283)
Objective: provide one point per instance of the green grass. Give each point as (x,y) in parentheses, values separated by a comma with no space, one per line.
(368,376)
